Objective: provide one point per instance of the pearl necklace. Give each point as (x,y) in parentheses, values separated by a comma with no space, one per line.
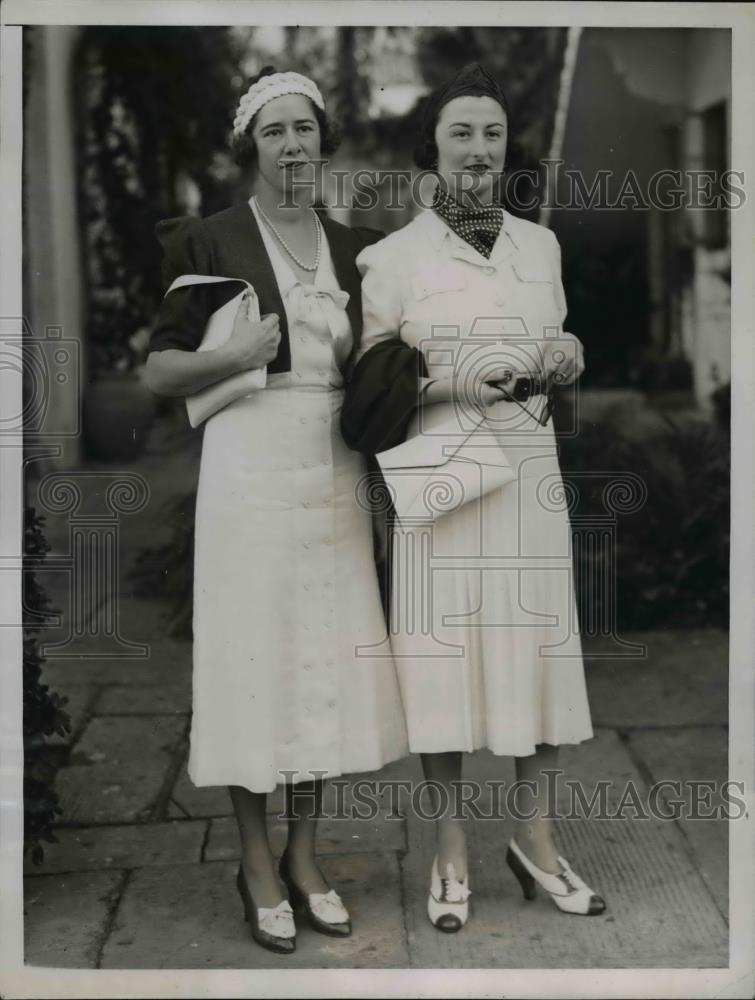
(287,248)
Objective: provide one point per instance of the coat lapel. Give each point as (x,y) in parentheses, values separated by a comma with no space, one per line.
(244,255)
(343,253)
(341,244)
(245,250)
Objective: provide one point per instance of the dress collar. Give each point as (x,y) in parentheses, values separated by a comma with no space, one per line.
(440,236)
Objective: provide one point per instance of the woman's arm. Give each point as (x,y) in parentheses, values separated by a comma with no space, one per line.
(448,390)
(382,310)
(175,372)
(382,384)
(178,372)
(390,379)
(174,366)
(563,360)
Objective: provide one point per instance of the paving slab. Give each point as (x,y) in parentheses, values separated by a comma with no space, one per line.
(145,699)
(660,912)
(142,620)
(334,836)
(65,917)
(191,918)
(683,681)
(135,845)
(168,661)
(188,800)
(695,755)
(118,768)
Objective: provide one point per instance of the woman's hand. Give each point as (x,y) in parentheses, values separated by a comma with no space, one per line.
(470,392)
(489,394)
(251,345)
(564,360)
(176,372)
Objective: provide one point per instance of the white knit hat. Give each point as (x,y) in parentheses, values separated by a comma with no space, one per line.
(269,87)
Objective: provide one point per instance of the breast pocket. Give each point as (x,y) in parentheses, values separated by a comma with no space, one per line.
(531,272)
(438,280)
(534,295)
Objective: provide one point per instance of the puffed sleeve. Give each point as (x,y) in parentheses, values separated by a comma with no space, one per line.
(383,389)
(182,315)
(381,296)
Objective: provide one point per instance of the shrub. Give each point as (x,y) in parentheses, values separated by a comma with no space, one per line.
(43,710)
(672,555)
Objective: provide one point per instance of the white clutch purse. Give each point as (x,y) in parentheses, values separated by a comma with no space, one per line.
(206,402)
(439,470)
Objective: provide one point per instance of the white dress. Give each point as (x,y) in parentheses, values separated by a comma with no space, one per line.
(287,612)
(484,625)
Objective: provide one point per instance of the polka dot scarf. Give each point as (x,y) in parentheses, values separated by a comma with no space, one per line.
(478,226)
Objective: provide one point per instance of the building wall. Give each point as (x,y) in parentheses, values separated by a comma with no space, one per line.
(610,126)
(707,322)
(637,104)
(708,67)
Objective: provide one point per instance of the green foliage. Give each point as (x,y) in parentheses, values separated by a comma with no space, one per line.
(672,555)
(156,107)
(43,710)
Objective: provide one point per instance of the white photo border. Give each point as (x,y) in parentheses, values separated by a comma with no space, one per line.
(738,980)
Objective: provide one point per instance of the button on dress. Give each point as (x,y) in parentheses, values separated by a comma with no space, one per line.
(293,673)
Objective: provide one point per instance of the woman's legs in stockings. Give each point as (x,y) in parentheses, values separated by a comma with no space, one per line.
(535,835)
(445,769)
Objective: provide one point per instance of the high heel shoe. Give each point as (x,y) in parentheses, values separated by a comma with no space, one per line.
(447,904)
(566,889)
(325,911)
(271,927)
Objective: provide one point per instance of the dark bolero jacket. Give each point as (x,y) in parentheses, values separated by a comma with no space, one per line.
(381,396)
(229,244)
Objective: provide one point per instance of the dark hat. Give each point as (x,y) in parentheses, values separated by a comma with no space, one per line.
(473,80)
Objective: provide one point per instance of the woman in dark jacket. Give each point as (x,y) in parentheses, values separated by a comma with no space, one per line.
(287,612)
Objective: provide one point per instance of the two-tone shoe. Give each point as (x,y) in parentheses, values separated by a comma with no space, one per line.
(272,927)
(325,911)
(448,902)
(566,888)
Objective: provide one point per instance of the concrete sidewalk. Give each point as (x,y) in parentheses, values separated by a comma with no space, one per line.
(142,876)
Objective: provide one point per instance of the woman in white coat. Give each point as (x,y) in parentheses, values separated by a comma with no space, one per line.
(453,304)
(285,590)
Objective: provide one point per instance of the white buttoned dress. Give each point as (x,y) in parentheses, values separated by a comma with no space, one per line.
(483,612)
(293,675)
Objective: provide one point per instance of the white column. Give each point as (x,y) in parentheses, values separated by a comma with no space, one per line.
(53,292)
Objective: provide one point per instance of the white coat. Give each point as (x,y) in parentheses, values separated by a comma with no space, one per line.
(484,625)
